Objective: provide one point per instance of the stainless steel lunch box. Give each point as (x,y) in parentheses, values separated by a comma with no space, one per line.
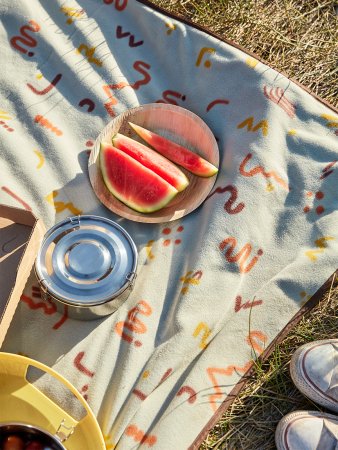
(30,432)
(86,264)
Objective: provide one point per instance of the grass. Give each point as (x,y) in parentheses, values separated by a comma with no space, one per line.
(299,38)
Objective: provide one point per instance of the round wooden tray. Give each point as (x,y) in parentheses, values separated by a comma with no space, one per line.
(175,123)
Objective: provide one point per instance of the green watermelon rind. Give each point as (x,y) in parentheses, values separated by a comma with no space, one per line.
(176,153)
(172,192)
(152,160)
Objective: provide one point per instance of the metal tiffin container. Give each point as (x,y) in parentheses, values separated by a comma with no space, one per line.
(88,264)
(15,436)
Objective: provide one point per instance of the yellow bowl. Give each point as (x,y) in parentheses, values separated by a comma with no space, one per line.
(25,403)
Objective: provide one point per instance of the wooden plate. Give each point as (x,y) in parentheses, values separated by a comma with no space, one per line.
(175,123)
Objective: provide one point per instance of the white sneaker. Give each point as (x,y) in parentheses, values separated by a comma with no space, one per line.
(307,430)
(314,371)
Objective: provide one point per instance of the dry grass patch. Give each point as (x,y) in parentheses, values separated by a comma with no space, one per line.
(297,37)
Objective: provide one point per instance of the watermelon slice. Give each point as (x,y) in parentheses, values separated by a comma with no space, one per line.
(176,153)
(153,160)
(132,183)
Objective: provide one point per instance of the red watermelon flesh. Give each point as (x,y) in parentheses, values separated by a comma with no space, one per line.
(153,160)
(132,183)
(176,153)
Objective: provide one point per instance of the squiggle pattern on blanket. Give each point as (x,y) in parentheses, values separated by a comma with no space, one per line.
(214,288)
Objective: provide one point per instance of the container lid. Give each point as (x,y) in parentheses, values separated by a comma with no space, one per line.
(86,260)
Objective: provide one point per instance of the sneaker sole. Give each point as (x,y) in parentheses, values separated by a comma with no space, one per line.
(305,388)
(285,422)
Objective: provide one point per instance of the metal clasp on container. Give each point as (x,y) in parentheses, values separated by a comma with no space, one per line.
(131,277)
(64,435)
(75,220)
(42,285)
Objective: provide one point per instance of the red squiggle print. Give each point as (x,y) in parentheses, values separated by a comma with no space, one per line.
(5,126)
(142,67)
(139,66)
(63,319)
(90,104)
(16,197)
(36,292)
(260,170)
(228,206)
(241,256)
(217,102)
(120,5)
(167,97)
(48,308)
(78,364)
(122,34)
(165,376)
(277,95)
(25,38)
(52,84)
(189,390)
(326,171)
(83,391)
(139,394)
(239,305)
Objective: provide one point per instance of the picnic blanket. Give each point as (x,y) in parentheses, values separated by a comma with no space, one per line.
(215,288)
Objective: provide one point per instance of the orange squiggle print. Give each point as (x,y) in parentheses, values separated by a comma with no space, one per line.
(253,341)
(241,256)
(133,324)
(228,371)
(139,436)
(260,170)
(113,101)
(47,124)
